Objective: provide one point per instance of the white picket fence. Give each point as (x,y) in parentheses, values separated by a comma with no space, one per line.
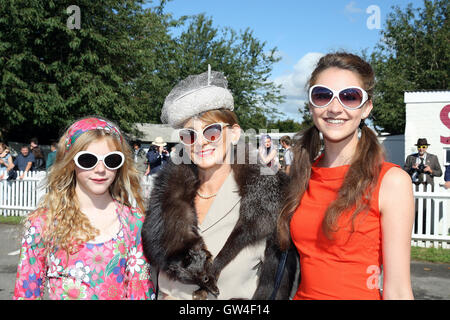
(432,222)
(431,227)
(21,196)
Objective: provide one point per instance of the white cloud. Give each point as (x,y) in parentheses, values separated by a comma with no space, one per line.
(351,10)
(294,84)
(290,109)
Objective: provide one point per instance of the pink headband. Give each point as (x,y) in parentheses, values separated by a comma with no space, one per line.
(87,124)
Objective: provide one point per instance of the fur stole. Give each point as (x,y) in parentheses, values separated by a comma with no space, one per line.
(172,242)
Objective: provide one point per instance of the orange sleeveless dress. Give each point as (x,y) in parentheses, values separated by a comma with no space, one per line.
(348,266)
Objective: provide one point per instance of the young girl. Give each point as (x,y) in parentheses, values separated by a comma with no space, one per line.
(349,213)
(84,239)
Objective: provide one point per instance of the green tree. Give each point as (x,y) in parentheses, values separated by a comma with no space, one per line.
(288,125)
(120,64)
(52,74)
(161,67)
(245,61)
(414,54)
(306,116)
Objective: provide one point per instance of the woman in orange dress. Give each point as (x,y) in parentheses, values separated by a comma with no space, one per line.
(348,212)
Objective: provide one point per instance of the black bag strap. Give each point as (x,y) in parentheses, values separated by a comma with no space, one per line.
(279,275)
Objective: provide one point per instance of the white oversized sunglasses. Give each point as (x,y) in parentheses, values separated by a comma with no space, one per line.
(351,98)
(211,133)
(88,160)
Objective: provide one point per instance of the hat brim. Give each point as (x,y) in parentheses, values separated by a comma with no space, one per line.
(159,144)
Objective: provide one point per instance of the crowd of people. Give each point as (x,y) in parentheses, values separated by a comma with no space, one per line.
(152,161)
(325,226)
(31,158)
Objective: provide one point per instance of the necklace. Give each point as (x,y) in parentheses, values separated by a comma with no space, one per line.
(206,196)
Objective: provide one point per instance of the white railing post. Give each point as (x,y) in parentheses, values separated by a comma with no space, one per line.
(431,217)
(20,197)
(445,227)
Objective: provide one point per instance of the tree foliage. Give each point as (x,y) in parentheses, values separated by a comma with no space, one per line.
(245,61)
(414,54)
(52,74)
(121,64)
(288,125)
(305,114)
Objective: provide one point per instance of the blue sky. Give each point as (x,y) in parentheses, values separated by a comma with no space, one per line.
(301,30)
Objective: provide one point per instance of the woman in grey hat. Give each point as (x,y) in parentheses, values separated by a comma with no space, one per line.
(210,228)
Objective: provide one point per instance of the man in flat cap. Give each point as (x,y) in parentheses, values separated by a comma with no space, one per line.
(423,166)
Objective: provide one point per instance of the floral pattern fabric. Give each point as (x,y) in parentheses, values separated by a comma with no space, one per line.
(112,270)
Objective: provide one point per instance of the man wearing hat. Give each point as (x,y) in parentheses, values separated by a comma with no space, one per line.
(423,166)
(157,156)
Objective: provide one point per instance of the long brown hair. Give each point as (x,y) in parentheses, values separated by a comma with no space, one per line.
(364,169)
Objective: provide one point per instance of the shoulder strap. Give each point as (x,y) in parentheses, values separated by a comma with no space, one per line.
(279,275)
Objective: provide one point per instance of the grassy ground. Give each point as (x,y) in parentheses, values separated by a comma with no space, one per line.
(422,254)
(430,254)
(11,220)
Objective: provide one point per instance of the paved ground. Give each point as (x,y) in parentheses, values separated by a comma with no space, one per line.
(430,281)
(9,242)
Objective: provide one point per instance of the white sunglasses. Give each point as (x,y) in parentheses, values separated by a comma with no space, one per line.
(211,133)
(351,98)
(88,160)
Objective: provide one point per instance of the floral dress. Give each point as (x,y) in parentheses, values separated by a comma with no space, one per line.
(114,270)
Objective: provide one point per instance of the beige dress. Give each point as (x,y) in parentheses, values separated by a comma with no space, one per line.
(239,278)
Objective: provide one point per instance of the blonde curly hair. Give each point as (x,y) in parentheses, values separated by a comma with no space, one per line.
(66,227)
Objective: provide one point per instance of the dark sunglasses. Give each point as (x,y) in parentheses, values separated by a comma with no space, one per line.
(87,160)
(351,98)
(211,133)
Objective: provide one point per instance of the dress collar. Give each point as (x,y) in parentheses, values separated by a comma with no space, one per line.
(227,198)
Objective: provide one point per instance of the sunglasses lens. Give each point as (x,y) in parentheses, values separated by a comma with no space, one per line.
(351,97)
(113,161)
(212,133)
(187,136)
(320,96)
(87,161)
